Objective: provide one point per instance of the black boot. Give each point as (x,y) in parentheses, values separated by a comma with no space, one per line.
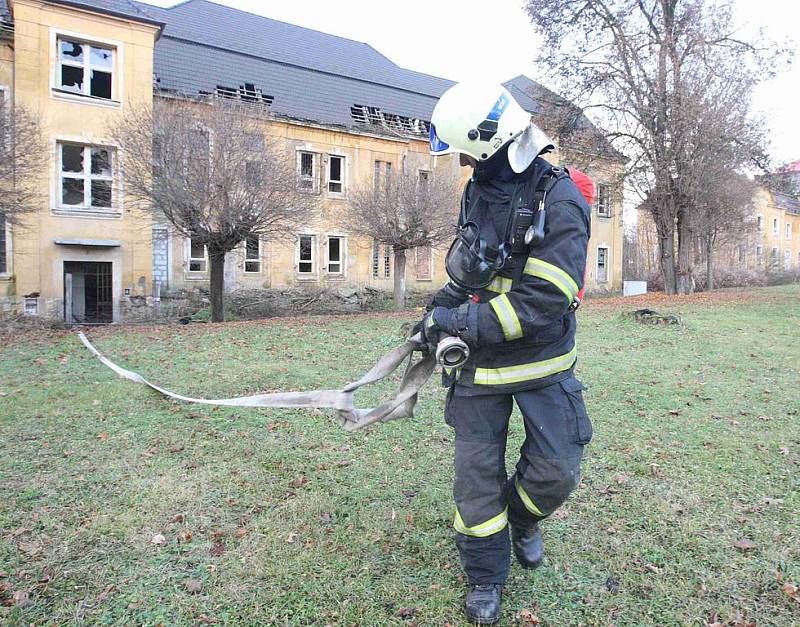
(483,603)
(527,542)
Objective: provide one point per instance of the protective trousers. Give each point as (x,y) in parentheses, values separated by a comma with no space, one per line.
(556,429)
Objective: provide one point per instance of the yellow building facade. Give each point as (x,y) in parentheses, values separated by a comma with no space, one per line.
(86,257)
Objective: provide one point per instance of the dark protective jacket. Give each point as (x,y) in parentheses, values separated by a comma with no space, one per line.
(522,329)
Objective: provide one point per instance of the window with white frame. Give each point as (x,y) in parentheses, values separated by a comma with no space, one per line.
(740,253)
(381,261)
(788,230)
(308,171)
(787,259)
(86,177)
(252,254)
(305,254)
(774,226)
(335,174)
(3,246)
(602,264)
(336,253)
(759,254)
(423,257)
(774,256)
(760,223)
(85,68)
(198,256)
(603,202)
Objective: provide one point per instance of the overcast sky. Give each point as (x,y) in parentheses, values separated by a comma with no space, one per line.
(493,39)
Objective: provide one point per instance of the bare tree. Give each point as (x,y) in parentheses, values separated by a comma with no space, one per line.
(22,152)
(408,210)
(214,173)
(640,64)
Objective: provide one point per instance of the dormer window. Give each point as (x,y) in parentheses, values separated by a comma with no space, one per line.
(85,69)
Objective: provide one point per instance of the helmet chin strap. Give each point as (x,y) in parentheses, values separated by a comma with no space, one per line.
(528,145)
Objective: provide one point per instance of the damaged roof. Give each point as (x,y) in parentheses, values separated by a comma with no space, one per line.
(117,8)
(787,202)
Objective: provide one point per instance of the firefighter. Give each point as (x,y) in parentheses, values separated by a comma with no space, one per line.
(515,268)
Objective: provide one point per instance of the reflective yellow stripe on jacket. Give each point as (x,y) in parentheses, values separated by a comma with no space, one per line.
(525,372)
(491,526)
(500,285)
(505,313)
(552,274)
(526,500)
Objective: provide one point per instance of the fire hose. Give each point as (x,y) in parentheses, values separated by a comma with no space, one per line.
(451,352)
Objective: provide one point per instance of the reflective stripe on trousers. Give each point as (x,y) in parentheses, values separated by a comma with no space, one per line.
(491,526)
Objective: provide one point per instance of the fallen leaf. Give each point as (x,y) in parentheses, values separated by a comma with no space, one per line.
(21,598)
(185,537)
(406,612)
(177,448)
(299,481)
(791,591)
(217,549)
(529,619)
(674,412)
(29,548)
(193,586)
(744,545)
(292,538)
(102,436)
(179,518)
(620,479)
(96,402)
(784,450)
(158,539)
(241,532)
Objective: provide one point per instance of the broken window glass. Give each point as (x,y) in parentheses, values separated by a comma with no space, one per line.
(71,158)
(253,173)
(101,84)
(101,57)
(335,174)
(252,254)
(307,171)
(335,255)
(71,191)
(72,78)
(197,256)
(71,51)
(306,265)
(101,194)
(101,161)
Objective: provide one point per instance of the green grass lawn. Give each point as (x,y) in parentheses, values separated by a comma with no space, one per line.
(688,513)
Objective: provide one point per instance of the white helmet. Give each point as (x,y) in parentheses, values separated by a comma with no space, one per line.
(478,119)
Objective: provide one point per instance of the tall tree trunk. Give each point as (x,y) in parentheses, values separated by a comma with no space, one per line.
(666,244)
(709,264)
(399,279)
(216,259)
(685,281)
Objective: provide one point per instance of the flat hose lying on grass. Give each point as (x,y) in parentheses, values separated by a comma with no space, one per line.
(353,418)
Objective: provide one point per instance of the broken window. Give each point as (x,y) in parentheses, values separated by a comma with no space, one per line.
(788,230)
(383,176)
(248,93)
(336,174)
(602,264)
(253,172)
(603,202)
(774,226)
(335,254)
(305,254)
(87,176)
(423,258)
(252,254)
(381,261)
(3,246)
(307,171)
(760,223)
(85,69)
(198,256)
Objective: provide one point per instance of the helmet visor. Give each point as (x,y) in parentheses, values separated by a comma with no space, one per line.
(437,145)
